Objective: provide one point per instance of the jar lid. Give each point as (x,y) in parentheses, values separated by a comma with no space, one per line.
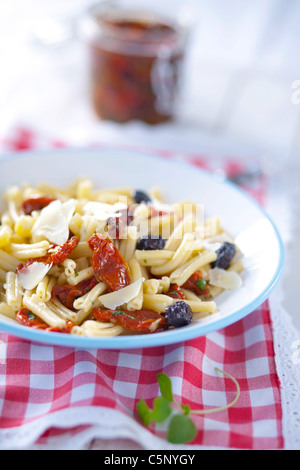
(132,31)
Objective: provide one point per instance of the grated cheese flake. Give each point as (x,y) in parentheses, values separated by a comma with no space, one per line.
(121,296)
(30,277)
(225,279)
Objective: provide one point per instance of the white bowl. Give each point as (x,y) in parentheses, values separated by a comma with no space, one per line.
(256,234)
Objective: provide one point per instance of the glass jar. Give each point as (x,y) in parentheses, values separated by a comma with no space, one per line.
(135,57)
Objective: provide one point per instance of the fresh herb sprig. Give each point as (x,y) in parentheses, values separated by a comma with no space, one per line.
(181,429)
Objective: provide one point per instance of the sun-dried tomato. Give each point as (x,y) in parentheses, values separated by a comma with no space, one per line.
(176,292)
(145,320)
(55,255)
(58,254)
(125,85)
(196,284)
(67,293)
(108,264)
(27,318)
(36,203)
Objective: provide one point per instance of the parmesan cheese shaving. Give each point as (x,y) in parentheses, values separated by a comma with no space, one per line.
(53,221)
(68,209)
(102,211)
(33,274)
(225,279)
(121,296)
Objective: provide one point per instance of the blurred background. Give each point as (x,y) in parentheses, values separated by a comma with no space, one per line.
(241,65)
(239,86)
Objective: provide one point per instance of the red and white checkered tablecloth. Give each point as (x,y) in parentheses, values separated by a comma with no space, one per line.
(62,397)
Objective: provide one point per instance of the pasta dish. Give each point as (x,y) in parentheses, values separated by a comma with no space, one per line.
(110,262)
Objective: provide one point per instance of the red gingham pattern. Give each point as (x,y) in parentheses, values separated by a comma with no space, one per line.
(39,380)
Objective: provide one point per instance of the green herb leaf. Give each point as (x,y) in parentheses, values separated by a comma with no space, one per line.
(173,292)
(165,386)
(161,409)
(181,430)
(186,408)
(31,315)
(201,284)
(118,312)
(131,317)
(144,412)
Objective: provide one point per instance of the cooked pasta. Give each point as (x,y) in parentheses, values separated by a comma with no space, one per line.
(107,262)
(44,288)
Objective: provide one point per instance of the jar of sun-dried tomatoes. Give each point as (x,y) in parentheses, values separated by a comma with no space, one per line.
(135,58)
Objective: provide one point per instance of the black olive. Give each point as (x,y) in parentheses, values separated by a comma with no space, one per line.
(178,314)
(151,242)
(224,255)
(141,196)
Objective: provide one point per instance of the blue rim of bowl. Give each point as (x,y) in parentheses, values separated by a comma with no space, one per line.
(165,338)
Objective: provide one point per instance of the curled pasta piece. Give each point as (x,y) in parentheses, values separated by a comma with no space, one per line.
(70,267)
(29,250)
(179,257)
(8,262)
(59,309)
(88,227)
(23,226)
(136,273)
(132,236)
(6,234)
(14,198)
(41,309)
(93,328)
(13,291)
(190,295)
(198,306)
(82,263)
(151,286)
(162,225)
(187,225)
(157,286)
(75,224)
(82,250)
(184,272)
(81,276)
(153,257)
(44,288)
(157,302)
(7,311)
(164,284)
(84,189)
(87,301)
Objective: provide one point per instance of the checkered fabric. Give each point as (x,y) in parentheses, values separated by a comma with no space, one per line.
(39,382)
